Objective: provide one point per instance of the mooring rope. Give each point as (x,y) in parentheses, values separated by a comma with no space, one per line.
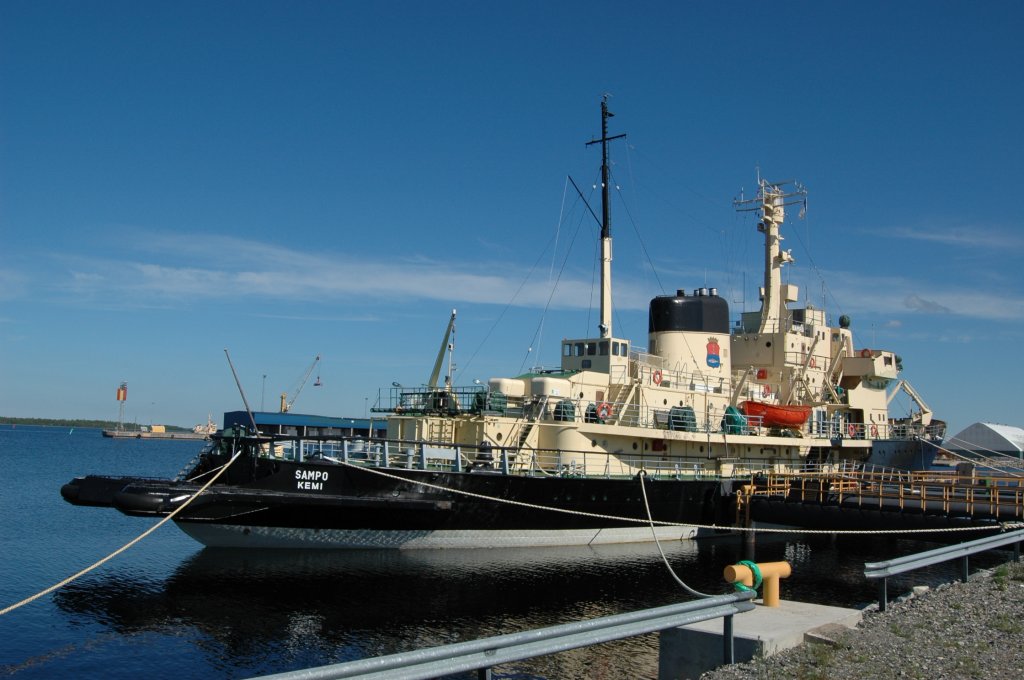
(639,520)
(647,507)
(127,545)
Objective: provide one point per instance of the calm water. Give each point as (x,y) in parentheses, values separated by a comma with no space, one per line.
(169,608)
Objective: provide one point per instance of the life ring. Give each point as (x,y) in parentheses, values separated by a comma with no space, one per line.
(604,410)
(874,431)
(866,353)
(656,377)
(852,429)
(766,390)
(813,364)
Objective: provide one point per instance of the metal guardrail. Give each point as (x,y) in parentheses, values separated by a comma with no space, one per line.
(960,551)
(485,653)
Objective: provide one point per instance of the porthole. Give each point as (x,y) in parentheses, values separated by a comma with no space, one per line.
(768,344)
(499,436)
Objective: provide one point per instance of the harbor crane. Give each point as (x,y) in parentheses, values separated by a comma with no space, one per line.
(286,403)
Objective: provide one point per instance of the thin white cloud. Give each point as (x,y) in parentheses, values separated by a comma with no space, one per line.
(970,237)
(919,304)
(223,268)
(895,295)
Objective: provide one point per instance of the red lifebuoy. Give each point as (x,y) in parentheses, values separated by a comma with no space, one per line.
(656,377)
(866,353)
(604,410)
(813,364)
(852,429)
(766,390)
(874,431)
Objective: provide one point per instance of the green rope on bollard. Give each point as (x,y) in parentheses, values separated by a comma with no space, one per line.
(756,570)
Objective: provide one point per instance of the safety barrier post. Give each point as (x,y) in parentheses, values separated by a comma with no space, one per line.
(728,642)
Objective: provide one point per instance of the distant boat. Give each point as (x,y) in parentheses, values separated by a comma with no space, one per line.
(199,432)
(776,415)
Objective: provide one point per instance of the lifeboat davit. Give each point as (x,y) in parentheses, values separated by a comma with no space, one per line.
(773,415)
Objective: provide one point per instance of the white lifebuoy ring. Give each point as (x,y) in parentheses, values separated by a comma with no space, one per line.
(656,377)
(852,429)
(604,410)
(813,364)
(874,431)
(866,353)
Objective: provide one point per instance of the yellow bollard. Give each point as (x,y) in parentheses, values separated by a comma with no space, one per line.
(771,572)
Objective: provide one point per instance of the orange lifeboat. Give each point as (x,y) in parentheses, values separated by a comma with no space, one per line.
(772,415)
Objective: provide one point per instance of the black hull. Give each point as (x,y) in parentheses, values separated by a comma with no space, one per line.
(289,504)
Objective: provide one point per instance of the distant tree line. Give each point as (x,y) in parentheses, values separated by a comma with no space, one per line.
(75,422)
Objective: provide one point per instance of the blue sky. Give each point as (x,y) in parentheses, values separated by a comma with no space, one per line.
(292,179)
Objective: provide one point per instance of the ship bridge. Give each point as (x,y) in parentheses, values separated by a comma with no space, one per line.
(604,355)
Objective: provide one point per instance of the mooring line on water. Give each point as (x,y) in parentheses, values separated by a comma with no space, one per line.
(127,545)
(714,527)
(654,533)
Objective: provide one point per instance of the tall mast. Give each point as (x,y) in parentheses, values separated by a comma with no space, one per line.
(771,202)
(605,326)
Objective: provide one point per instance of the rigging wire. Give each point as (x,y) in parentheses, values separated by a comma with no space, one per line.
(554,288)
(508,306)
(632,220)
(554,252)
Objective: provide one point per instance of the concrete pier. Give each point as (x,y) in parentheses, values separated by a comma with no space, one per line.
(687,652)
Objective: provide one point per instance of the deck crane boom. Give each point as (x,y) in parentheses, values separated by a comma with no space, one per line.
(435,374)
(925,415)
(286,404)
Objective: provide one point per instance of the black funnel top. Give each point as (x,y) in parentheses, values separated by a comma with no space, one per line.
(703,312)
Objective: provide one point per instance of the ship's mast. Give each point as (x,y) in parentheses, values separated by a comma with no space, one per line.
(605,325)
(771,202)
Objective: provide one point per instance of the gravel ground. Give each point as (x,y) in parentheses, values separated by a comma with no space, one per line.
(958,630)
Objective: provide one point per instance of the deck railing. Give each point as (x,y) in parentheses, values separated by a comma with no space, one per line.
(447,457)
(445,402)
(918,491)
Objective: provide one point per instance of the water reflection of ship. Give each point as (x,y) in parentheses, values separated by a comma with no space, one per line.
(260,610)
(364,603)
